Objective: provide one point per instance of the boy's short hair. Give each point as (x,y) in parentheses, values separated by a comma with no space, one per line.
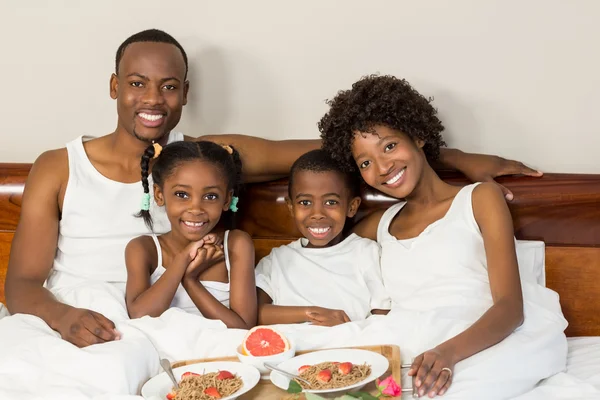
(152,36)
(320,161)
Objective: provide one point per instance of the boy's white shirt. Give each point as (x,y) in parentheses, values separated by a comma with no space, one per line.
(346,276)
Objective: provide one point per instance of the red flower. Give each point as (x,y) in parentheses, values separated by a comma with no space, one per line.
(389,387)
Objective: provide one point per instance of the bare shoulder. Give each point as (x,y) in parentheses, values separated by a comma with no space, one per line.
(487,192)
(488,201)
(367,227)
(240,238)
(52,164)
(143,250)
(47,178)
(241,249)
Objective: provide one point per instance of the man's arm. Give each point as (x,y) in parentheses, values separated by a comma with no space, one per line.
(265,160)
(32,254)
(484,167)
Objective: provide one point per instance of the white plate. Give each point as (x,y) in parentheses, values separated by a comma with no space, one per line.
(379,364)
(158,387)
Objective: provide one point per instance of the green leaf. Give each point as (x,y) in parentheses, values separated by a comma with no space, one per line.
(294,387)
(362,395)
(311,396)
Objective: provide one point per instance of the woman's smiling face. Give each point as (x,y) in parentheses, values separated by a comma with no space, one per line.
(389,160)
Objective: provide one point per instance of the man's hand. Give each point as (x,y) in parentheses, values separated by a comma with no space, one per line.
(85,327)
(484,168)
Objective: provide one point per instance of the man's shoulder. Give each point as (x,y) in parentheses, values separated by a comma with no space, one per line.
(52,162)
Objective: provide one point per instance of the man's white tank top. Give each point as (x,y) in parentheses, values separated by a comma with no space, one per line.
(98,220)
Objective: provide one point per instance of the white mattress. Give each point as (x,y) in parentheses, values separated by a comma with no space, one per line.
(583,361)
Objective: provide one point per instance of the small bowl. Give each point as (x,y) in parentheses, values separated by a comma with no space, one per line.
(258,362)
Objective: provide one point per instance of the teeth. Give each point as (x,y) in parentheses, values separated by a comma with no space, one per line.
(151,117)
(319,231)
(193,224)
(395,178)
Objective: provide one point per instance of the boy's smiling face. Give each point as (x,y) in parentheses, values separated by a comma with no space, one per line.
(320,202)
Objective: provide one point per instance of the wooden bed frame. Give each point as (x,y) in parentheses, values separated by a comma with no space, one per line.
(563,210)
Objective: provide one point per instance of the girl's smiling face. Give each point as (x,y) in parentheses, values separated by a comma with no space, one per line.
(195,195)
(389,160)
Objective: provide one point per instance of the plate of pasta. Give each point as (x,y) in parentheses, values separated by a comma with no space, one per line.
(330,371)
(223,380)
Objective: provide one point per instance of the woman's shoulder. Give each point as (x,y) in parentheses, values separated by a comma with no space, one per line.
(367,227)
(488,200)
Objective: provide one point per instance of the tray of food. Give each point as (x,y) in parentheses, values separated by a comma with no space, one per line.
(325,372)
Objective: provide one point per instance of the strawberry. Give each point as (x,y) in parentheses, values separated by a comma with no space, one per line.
(303,368)
(324,375)
(185,374)
(212,392)
(345,368)
(224,375)
(171,396)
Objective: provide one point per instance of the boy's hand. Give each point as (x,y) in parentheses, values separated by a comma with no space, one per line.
(433,372)
(326,317)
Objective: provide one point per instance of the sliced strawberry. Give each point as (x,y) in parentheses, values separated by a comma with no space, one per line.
(324,375)
(345,368)
(189,374)
(212,392)
(224,375)
(171,396)
(303,368)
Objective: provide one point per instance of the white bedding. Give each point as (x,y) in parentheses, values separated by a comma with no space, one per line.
(36,364)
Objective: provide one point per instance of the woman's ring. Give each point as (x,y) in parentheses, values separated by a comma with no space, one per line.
(447,369)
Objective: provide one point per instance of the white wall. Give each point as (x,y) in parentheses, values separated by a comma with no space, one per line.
(515,78)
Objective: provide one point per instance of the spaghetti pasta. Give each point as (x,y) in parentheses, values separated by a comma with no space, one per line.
(206,387)
(314,373)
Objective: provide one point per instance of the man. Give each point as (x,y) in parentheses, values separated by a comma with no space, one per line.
(150,86)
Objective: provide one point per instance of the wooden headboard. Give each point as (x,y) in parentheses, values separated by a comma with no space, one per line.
(563,210)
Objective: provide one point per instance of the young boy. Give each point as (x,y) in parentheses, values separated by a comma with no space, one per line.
(323,278)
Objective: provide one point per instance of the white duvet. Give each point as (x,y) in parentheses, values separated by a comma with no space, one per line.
(35,363)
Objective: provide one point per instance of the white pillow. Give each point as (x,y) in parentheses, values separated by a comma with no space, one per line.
(531,256)
(3,311)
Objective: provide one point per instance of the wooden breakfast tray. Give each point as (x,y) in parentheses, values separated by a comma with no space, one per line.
(265,390)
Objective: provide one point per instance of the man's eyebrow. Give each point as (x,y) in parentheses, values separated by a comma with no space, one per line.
(138,75)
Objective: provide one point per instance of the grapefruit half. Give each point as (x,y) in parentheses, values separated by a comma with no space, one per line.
(263,341)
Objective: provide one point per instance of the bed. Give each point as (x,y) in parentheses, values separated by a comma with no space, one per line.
(560,210)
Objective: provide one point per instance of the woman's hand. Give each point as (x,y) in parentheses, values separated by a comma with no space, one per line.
(433,372)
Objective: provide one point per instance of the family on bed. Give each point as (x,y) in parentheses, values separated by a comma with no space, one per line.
(442,254)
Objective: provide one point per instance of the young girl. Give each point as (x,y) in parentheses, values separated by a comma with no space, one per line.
(448,253)
(187,267)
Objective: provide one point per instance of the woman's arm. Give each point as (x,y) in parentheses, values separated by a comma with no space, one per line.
(505,315)
(242,300)
(141,297)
